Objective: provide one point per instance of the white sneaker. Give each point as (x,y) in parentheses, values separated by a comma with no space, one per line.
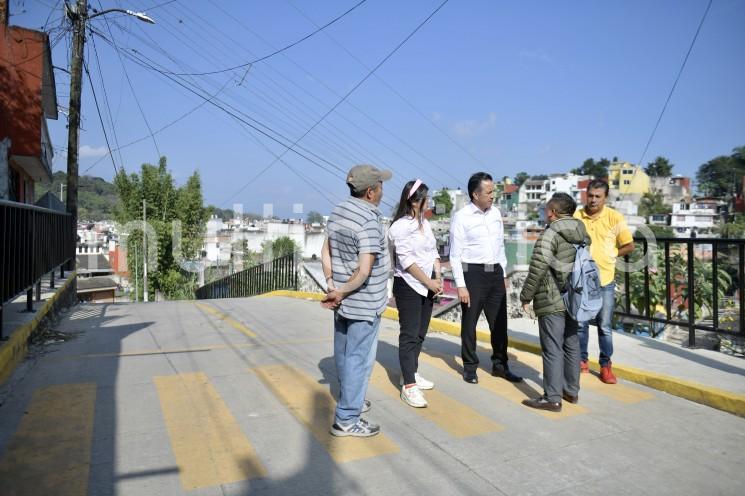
(413,396)
(421,382)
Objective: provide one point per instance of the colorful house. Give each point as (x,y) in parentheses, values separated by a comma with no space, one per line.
(27,99)
(627,179)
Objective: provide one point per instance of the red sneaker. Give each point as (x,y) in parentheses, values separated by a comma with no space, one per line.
(584,367)
(606,374)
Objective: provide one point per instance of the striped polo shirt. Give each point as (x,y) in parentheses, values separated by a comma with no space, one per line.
(353,228)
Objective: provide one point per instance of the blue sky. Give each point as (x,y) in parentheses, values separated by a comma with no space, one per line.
(484,85)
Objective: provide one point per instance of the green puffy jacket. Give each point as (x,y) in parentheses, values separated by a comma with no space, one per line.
(551,264)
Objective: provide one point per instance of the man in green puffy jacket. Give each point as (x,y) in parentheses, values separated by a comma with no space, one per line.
(550,267)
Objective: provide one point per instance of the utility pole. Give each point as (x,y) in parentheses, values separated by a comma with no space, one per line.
(144,255)
(79,17)
(73,124)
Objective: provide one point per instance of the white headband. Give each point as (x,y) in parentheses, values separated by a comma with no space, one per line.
(413,189)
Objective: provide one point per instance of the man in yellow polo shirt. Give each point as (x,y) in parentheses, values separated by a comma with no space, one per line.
(611,239)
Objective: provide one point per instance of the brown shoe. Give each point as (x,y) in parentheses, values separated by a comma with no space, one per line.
(584,367)
(568,397)
(541,403)
(606,374)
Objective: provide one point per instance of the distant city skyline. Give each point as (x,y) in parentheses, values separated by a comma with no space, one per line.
(481,86)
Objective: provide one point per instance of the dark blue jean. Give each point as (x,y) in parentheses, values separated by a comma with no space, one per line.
(604,320)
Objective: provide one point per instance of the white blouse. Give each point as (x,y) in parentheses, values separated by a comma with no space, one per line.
(411,245)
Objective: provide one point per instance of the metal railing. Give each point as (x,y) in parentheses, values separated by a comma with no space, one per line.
(34,241)
(678,268)
(280,273)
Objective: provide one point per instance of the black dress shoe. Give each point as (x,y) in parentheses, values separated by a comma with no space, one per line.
(568,397)
(541,403)
(471,377)
(505,374)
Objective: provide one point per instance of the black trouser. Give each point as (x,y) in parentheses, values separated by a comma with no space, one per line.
(485,284)
(414,313)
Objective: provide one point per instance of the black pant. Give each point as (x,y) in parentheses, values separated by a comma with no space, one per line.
(414,313)
(485,284)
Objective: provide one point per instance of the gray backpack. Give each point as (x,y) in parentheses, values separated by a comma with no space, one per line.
(582,294)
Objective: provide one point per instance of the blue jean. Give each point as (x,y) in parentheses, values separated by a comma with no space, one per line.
(604,320)
(355,347)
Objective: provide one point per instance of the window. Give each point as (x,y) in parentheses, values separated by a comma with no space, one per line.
(628,171)
(626,182)
(615,184)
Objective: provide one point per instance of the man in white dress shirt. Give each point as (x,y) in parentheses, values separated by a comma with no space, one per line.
(478,262)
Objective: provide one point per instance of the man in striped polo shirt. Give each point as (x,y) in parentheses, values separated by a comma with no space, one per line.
(356,266)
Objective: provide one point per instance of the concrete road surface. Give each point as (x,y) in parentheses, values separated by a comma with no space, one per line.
(235,397)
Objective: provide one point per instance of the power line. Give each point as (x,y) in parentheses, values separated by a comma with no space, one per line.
(675,84)
(395,136)
(100,118)
(367,76)
(306,179)
(398,94)
(51,11)
(140,59)
(247,64)
(263,100)
(106,100)
(273,86)
(670,94)
(163,128)
(137,100)
(143,60)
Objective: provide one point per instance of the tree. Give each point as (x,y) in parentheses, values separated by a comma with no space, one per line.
(733,229)
(661,167)
(165,203)
(653,203)
(443,203)
(521,177)
(598,170)
(280,247)
(314,217)
(722,175)
(193,216)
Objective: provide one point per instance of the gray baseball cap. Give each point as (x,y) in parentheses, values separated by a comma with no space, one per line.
(361,177)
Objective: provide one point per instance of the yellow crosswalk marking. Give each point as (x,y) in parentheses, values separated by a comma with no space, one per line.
(227,319)
(209,445)
(452,416)
(51,450)
(312,404)
(514,393)
(589,382)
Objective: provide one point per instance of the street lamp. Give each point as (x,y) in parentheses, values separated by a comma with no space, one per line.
(78,17)
(139,15)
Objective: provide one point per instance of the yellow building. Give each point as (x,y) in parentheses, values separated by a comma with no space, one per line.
(625,178)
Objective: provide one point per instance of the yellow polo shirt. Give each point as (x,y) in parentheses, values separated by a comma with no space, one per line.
(608,232)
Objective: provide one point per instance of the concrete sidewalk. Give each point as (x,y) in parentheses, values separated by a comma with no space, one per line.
(704,376)
(235,397)
(18,324)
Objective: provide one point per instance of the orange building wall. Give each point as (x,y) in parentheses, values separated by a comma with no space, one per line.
(21,68)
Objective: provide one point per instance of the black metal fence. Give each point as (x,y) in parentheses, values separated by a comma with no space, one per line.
(698,283)
(34,241)
(280,273)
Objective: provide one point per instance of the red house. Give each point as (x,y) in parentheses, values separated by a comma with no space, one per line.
(27,99)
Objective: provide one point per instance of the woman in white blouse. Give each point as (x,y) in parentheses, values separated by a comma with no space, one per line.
(416,282)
